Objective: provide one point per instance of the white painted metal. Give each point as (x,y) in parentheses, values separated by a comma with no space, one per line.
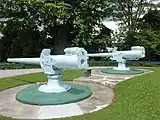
(121,57)
(25,60)
(100,55)
(52,65)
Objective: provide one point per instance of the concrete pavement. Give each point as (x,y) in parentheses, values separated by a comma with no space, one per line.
(100,83)
(15,72)
(101,97)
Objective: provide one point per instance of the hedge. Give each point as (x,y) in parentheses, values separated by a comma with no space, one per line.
(91,63)
(129,63)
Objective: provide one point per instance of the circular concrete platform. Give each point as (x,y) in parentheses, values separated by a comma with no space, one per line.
(31,95)
(122,72)
(101,97)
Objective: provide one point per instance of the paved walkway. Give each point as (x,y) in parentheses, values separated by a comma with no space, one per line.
(101,97)
(109,80)
(14,72)
(99,82)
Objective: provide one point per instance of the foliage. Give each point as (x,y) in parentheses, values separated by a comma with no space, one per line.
(149,34)
(90,15)
(129,13)
(104,62)
(151,41)
(129,63)
(139,25)
(4,66)
(151,20)
(100,41)
(28,24)
(31,25)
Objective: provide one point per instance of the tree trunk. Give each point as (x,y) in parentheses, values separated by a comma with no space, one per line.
(60,42)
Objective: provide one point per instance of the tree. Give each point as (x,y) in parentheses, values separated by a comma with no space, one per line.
(151,20)
(31,15)
(129,13)
(49,23)
(89,16)
(18,29)
(36,24)
(149,35)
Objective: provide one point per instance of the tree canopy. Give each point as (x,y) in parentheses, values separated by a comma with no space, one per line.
(31,25)
(28,26)
(129,13)
(149,35)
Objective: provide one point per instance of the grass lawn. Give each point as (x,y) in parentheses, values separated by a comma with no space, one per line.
(9,82)
(135,99)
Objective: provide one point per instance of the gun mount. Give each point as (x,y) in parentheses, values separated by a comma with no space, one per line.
(52,65)
(121,57)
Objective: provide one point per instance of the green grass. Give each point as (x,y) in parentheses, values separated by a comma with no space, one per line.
(9,82)
(135,99)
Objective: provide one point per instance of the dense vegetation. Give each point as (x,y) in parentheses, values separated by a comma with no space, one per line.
(140,25)
(28,26)
(31,25)
(5,66)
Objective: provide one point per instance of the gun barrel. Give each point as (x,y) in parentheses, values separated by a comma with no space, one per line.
(25,60)
(70,61)
(133,55)
(100,55)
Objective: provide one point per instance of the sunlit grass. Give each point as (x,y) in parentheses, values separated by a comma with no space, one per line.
(9,82)
(135,99)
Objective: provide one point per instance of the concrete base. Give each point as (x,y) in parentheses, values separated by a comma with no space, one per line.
(54,85)
(31,95)
(121,66)
(50,89)
(101,97)
(122,72)
(109,80)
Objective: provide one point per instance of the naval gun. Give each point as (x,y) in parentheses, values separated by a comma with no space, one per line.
(53,65)
(121,57)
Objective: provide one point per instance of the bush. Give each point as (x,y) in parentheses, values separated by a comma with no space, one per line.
(4,66)
(129,63)
(92,63)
